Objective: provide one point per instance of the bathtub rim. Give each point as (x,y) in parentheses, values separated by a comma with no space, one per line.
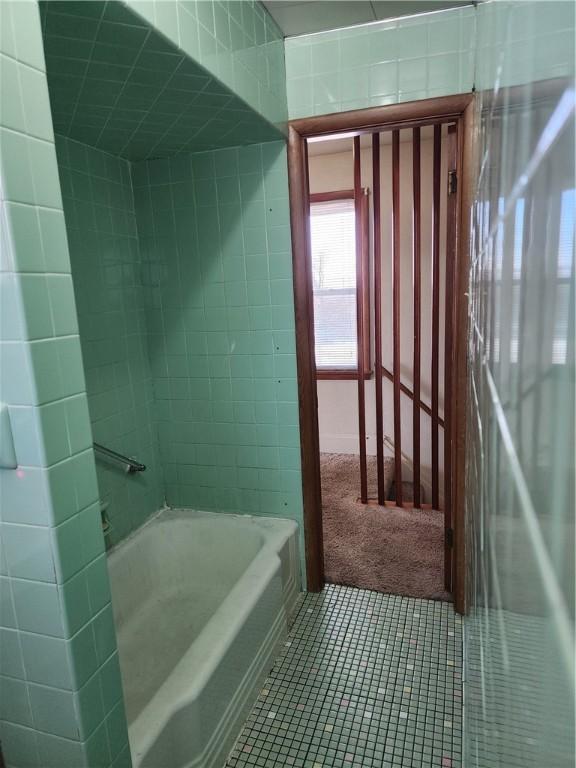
(201,658)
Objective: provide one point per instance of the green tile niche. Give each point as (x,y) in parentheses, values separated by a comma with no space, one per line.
(107,273)
(118,84)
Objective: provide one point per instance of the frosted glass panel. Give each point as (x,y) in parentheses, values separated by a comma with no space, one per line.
(520,471)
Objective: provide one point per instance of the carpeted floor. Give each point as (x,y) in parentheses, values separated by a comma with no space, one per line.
(399,551)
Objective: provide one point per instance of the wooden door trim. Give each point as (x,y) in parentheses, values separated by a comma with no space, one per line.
(460,108)
(467,149)
(407,115)
(306,365)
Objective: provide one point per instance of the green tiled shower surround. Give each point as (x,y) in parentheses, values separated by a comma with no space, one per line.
(103,242)
(420,57)
(60,696)
(197,309)
(215,242)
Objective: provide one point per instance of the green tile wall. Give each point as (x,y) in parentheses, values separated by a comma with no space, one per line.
(381,63)
(423,56)
(107,273)
(519,637)
(59,680)
(519,46)
(118,84)
(215,238)
(237,42)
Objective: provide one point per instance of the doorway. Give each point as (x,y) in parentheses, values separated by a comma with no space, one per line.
(408,378)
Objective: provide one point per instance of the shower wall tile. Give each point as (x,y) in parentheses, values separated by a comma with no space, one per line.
(239,43)
(215,238)
(427,55)
(47,629)
(108,283)
(519,636)
(381,63)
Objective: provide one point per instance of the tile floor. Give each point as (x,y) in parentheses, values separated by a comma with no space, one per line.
(364,680)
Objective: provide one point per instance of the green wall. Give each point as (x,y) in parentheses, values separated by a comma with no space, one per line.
(107,273)
(187,327)
(215,242)
(237,42)
(60,696)
(60,693)
(385,62)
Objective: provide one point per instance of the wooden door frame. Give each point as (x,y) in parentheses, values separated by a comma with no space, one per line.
(459,108)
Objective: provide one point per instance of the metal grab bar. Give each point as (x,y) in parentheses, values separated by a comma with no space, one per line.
(131,465)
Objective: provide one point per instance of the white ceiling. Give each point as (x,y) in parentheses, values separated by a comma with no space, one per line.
(301,17)
(334,146)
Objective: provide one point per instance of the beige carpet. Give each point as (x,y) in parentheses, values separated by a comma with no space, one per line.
(399,551)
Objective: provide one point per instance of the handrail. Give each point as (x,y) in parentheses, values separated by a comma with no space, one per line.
(131,465)
(408,392)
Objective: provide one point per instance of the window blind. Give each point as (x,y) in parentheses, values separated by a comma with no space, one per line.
(333,245)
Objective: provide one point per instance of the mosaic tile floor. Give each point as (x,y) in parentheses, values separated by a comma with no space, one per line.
(365,680)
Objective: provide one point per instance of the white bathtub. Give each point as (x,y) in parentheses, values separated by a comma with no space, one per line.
(201,601)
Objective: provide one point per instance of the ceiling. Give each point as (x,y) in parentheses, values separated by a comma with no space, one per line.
(301,17)
(333,146)
(118,85)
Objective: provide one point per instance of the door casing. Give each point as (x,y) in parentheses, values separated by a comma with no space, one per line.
(460,109)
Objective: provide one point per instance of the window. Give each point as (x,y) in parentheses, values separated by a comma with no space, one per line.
(333,251)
